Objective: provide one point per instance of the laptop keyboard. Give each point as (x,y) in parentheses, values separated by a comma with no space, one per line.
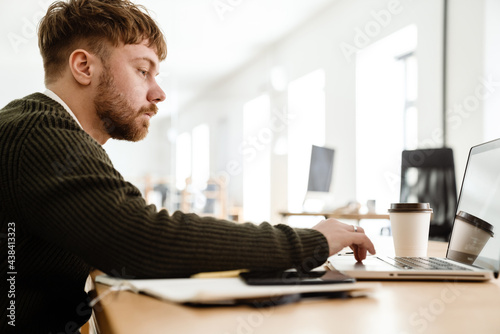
(423,263)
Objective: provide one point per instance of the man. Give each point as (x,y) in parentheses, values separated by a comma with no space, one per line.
(65,208)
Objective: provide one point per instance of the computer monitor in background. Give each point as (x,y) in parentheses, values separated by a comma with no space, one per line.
(318,196)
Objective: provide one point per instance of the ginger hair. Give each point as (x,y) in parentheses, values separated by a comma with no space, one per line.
(93,25)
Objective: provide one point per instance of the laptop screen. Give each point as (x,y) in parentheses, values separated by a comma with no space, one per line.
(475,238)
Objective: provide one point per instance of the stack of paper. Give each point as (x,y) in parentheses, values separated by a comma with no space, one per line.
(217,290)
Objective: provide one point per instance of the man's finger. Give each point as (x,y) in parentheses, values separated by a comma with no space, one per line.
(362,241)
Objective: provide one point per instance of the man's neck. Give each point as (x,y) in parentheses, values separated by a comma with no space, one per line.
(81,107)
(56,98)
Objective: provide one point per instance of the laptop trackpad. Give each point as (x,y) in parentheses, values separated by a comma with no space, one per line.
(348,263)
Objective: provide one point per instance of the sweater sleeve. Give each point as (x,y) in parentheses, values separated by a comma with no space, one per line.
(71,196)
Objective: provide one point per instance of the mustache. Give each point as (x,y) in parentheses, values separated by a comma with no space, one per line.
(151,109)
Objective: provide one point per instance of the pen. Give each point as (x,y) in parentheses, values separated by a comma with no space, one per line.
(220,274)
(347,253)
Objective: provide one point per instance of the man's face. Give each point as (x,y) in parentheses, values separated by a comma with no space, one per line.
(127,92)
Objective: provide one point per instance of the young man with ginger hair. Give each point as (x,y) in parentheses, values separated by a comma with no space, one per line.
(73,212)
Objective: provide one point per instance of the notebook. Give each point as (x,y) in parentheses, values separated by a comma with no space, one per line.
(230,290)
(478,238)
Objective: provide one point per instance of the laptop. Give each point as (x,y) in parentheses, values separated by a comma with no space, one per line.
(479,256)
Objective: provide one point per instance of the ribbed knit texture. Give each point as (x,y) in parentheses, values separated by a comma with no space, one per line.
(73,212)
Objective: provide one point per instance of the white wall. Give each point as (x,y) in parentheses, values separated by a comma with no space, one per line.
(473,112)
(465,68)
(492,69)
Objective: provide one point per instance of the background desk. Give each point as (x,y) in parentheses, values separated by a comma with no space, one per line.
(397,308)
(353,216)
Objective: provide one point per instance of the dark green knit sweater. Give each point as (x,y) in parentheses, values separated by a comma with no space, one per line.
(72,212)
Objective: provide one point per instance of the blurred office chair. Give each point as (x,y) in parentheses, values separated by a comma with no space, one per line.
(428,176)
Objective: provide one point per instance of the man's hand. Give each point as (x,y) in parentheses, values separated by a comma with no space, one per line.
(340,235)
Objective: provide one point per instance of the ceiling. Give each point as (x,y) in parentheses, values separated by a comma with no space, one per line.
(207,40)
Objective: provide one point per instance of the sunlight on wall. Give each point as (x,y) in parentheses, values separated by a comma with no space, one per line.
(201,156)
(183,159)
(380,116)
(306,103)
(256,151)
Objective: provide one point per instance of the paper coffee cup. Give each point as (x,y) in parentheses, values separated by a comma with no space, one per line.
(470,235)
(410,228)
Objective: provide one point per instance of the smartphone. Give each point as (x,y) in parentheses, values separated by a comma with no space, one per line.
(292,277)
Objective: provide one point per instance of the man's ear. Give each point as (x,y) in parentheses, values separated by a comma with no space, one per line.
(82,65)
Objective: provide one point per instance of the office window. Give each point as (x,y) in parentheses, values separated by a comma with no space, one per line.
(306,108)
(201,156)
(410,113)
(386,114)
(256,151)
(182,159)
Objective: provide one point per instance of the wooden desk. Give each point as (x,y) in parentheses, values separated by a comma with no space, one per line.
(353,216)
(397,308)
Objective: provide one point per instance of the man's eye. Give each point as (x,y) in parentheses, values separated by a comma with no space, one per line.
(144,73)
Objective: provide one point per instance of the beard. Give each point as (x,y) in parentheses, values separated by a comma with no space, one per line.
(119,119)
